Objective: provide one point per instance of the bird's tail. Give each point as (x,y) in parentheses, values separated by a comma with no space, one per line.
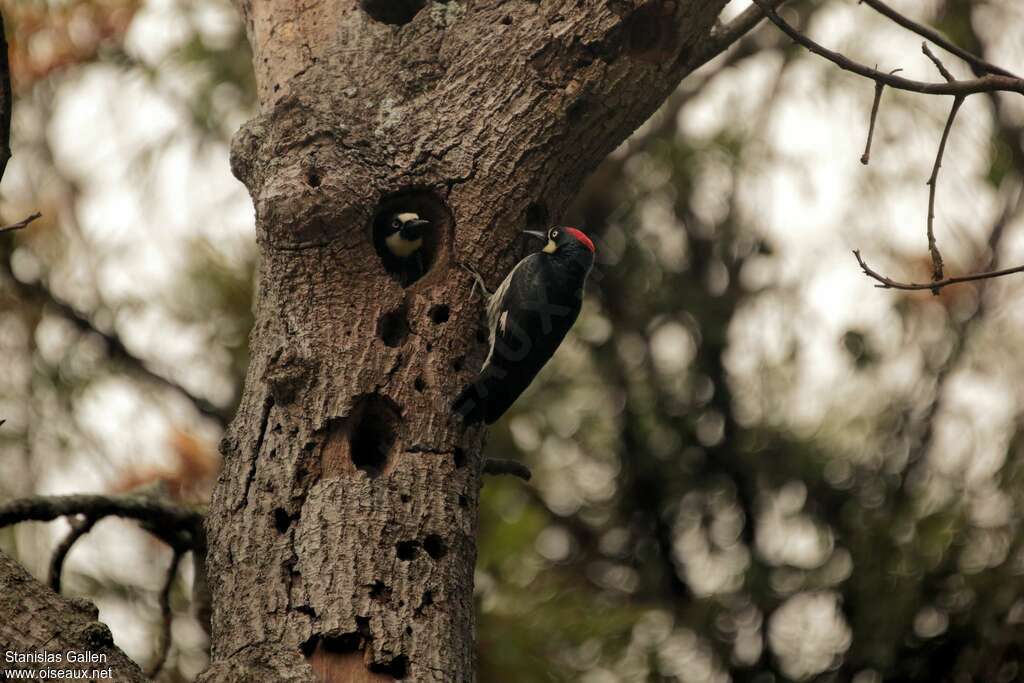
(470,404)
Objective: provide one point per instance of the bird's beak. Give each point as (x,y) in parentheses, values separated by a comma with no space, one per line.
(536,233)
(419,223)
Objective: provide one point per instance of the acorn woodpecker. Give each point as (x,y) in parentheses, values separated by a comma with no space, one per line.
(398,238)
(528,316)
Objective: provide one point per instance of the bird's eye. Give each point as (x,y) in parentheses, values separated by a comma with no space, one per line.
(554,234)
(396,224)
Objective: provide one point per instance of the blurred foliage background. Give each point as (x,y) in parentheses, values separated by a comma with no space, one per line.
(749,464)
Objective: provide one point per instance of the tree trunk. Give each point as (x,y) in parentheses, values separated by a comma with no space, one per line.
(342,531)
(36,622)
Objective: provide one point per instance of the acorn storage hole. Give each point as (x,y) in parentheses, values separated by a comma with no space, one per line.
(406,550)
(393,327)
(439,313)
(411,233)
(435,546)
(374,433)
(394,12)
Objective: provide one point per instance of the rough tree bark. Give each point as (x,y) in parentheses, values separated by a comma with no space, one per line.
(36,621)
(342,530)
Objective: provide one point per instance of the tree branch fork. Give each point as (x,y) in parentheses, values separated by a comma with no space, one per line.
(179,527)
(989,78)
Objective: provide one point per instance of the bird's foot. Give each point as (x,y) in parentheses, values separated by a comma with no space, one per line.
(479,281)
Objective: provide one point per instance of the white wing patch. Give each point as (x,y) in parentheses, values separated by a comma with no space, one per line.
(494,307)
(497,317)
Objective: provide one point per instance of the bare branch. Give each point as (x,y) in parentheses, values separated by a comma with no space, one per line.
(987,83)
(889,283)
(166,615)
(20,224)
(978,64)
(79,527)
(1013,208)
(866,156)
(162,518)
(933,247)
(958,89)
(511,467)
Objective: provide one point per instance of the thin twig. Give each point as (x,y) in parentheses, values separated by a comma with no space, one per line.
(79,527)
(933,248)
(510,467)
(166,614)
(879,87)
(987,83)
(20,224)
(938,63)
(933,179)
(979,65)
(889,283)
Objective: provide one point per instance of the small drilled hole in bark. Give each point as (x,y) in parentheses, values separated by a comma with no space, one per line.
(394,12)
(282,520)
(459,456)
(374,433)
(463,501)
(419,385)
(405,497)
(428,599)
(439,314)
(393,328)
(313,179)
(379,590)
(406,550)
(482,336)
(397,668)
(435,546)
(408,630)
(458,363)
(409,250)
(506,20)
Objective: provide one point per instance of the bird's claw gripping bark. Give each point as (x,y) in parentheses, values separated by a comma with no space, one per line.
(479,281)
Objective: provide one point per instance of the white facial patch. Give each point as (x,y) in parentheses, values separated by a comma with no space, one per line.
(401,247)
(406,217)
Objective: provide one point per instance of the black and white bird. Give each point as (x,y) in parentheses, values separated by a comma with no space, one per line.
(398,238)
(528,316)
